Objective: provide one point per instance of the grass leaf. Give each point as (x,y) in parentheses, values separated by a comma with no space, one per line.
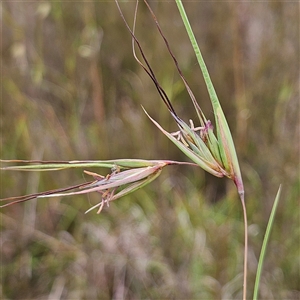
(265,243)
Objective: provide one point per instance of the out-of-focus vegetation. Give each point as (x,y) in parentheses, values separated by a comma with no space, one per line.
(71,89)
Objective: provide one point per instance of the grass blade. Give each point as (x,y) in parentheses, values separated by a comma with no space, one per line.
(264,245)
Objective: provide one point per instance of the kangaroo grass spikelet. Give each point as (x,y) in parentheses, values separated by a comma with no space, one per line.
(126,177)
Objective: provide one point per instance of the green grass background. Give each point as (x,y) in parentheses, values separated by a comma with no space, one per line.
(71,89)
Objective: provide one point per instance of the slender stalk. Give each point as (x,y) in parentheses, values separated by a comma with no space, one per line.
(246,250)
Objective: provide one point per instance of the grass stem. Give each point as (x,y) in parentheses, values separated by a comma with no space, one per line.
(246,250)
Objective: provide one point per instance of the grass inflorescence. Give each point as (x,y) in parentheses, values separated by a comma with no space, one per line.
(165,240)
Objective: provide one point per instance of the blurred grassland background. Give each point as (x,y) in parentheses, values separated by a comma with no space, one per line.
(71,89)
